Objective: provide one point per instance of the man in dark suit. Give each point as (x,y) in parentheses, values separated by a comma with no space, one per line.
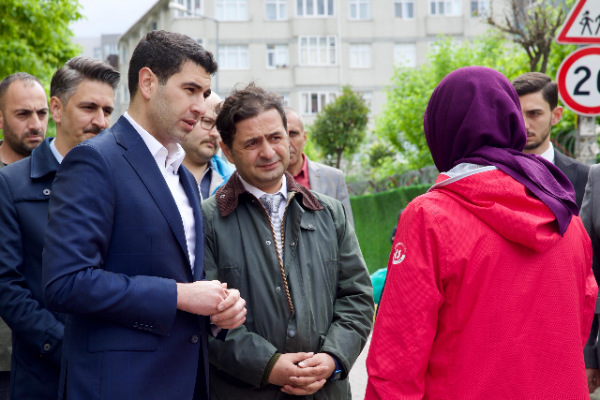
(539,105)
(82,100)
(125,241)
(23,121)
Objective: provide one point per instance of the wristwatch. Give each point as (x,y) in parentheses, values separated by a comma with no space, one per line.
(337,374)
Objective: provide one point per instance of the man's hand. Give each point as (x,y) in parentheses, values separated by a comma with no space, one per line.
(232,311)
(286,367)
(326,365)
(201,297)
(593,379)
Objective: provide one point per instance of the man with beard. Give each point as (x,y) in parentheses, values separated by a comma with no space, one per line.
(23,120)
(201,147)
(539,105)
(82,96)
(124,251)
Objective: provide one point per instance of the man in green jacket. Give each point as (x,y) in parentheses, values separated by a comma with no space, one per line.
(294,257)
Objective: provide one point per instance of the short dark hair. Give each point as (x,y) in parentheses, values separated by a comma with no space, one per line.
(17,76)
(66,80)
(164,53)
(246,103)
(533,82)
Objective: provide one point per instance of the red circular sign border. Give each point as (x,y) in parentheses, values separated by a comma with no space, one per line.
(561,80)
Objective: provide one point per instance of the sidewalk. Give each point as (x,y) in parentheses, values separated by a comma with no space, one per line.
(358,374)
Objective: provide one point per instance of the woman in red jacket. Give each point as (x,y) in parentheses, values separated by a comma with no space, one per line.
(490,292)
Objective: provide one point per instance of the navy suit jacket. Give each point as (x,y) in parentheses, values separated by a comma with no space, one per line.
(115,248)
(37,332)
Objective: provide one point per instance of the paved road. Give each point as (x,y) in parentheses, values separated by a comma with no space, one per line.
(358,374)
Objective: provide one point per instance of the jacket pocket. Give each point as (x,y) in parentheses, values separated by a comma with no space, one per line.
(116,338)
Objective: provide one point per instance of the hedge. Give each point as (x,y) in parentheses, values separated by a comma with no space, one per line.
(375,215)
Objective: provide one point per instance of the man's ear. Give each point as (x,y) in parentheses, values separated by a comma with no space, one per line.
(226,151)
(147,82)
(1,120)
(557,115)
(56,109)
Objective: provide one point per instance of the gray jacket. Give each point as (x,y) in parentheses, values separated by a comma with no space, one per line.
(318,298)
(330,182)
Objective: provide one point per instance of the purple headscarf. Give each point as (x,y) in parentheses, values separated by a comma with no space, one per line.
(474,116)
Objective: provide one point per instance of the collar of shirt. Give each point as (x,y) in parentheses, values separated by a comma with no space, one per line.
(209,167)
(302,176)
(169,158)
(259,193)
(57,155)
(549,154)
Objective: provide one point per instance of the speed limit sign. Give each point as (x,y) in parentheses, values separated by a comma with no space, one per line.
(578,80)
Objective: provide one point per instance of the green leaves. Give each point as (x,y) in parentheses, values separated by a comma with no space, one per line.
(341,125)
(35,36)
(401,120)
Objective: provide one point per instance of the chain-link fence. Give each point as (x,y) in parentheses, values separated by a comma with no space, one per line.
(425,175)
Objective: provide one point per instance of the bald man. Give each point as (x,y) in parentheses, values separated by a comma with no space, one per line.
(201,147)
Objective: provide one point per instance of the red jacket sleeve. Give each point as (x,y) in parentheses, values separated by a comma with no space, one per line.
(408,312)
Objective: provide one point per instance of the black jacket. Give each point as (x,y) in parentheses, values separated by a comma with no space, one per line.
(575,171)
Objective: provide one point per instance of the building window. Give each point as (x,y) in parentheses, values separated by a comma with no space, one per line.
(314,8)
(152,26)
(233,57)
(200,41)
(368,98)
(123,52)
(448,8)
(285,100)
(360,56)
(360,9)
(317,50)
(187,8)
(277,56)
(232,10)
(276,9)
(405,55)
(124,94)
(404,9)
(313,102)
(110,49)
(480,8)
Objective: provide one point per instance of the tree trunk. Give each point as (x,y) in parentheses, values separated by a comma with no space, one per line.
(339,158)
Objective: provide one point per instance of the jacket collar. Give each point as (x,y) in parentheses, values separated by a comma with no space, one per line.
(43,161)
(228,194)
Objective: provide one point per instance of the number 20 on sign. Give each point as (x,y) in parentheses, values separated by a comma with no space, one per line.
(578,80)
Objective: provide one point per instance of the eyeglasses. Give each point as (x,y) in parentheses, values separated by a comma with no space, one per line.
(207,123)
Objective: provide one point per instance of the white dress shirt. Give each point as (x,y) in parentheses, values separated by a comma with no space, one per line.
(169,160)
(259,193)
(57,155)
(549,154)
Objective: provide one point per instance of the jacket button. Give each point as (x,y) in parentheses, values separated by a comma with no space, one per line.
(194,339)
(310,226)
(278,289)
(268,242)
(291,333)
(135,324)
(47,347)
(46,192)
(293,243)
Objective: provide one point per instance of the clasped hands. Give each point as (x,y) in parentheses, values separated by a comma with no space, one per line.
(226,308)
(302,373)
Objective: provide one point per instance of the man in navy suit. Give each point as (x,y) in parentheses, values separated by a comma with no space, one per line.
(82,97)
(125,242)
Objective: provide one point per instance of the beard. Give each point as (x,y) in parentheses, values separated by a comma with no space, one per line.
(539,139)
(17,142)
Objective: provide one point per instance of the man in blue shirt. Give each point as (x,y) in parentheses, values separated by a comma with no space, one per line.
(201,147)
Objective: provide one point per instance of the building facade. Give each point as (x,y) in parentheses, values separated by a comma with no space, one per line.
(306,50)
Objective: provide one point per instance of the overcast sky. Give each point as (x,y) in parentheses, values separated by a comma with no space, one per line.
(109,16)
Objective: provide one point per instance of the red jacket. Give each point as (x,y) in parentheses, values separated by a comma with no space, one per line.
(483,299)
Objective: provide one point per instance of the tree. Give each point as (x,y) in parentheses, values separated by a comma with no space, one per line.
(341,125)
(35,36)
(401,120)
(532,25)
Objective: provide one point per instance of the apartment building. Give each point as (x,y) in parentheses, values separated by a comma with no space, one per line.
(306,50)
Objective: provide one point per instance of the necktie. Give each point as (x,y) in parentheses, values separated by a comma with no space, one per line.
(271,203)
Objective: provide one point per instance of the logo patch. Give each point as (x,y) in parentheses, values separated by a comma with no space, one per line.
(399,253)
